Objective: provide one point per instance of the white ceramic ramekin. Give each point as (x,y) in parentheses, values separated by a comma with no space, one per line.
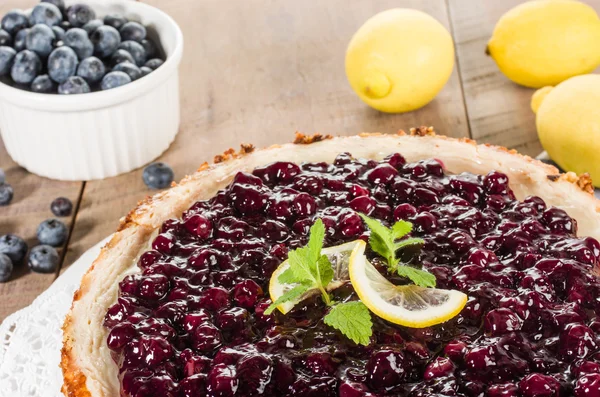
(101,134)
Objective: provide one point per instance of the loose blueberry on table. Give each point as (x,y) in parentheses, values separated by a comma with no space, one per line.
(193,322)
(73,48)
(43,259)
(158,176)
(52,232)
(61,206)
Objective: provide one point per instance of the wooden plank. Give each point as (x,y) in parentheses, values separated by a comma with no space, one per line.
(30,206)
(498,110)
(257,72)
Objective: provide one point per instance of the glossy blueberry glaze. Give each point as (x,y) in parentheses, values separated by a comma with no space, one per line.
(193,323)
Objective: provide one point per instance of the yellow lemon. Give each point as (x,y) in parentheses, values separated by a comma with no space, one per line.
(408,305)
(399,60)
(568,123)
(544,42)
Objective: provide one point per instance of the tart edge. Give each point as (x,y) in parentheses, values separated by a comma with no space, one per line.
(75,381)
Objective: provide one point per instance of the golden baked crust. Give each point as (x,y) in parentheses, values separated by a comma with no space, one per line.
(87,366)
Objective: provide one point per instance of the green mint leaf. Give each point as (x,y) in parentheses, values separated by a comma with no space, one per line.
(409,241)
(353,320)
(324,270)
(301,268)
(381,240)
(290,295)
(419,277)
(315,241)
(401,229)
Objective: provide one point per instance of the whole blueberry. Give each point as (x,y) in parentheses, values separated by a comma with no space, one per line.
(59,3)
(106,39)
(6,194)
(92,25)
(80,14)
(45,13)
(43,84)
(79,41)
(120,56)
(52,232)
(2,176)
(146,70)
(40,40)
(114,80)
(74,85)
(150,48)
(115,20)
(62,64)
(6,268)
(91,69)
(158,176)
(14,247)
(133,71)
(61,206)
(5,38)
(19,43)
(26,67)
(14,21)
(154,63)
(58,32)
(43,259)
(133,31)
(136,50)
(7,57)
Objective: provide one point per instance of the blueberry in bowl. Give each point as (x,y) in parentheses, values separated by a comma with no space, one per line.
(189,277)
(55,71)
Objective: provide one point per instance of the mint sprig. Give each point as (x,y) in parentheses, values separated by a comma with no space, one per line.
(384,241)
(310,270)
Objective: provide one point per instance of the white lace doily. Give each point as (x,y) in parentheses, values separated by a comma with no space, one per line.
(30,339)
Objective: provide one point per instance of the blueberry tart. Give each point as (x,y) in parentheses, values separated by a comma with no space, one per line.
(178,303)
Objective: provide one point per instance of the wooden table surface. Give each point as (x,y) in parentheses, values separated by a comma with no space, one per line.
(257,71)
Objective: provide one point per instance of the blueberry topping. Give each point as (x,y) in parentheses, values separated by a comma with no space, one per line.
(20,40)
(92,25)
(26,66)
(158,176)
(45,13)
(115,79)
(106,39)
(62,64)
(14,21)
(6,268)
(43,259)
(120,56)
(132,71)
(59,33)
(52,232)
(154,63)
(61,206)
(14,247)
(80,14)
(5,38)
(137,51)
(133,31)
(43,84)
(7,57)
(92,70)
(74,85)
(78,40)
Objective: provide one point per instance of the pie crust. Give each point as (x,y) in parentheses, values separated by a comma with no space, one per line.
(87,365)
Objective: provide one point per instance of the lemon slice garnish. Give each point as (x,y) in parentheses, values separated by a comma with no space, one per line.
(339,256)
(409,305)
